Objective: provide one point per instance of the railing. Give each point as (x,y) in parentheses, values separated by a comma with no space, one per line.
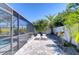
(5,48)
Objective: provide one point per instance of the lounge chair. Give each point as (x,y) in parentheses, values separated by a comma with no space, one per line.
(32,36)
(44,37)
(38,37)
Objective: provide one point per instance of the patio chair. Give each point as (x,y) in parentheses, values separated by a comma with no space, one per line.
(32,36)
(38,37)
(44,37)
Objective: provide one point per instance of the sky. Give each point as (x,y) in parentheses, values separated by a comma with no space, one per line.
(36,11)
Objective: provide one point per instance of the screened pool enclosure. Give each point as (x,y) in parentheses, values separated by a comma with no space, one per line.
(15,30)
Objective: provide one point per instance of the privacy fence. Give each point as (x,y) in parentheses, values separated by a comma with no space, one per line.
(65,34)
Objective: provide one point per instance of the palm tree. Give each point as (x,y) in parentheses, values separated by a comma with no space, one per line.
(41,25)
(50,18)
(73,6)
(59,19)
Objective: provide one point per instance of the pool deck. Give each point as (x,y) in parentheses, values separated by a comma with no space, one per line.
(40,47)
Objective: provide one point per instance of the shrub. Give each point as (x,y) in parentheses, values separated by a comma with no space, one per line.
(77,38)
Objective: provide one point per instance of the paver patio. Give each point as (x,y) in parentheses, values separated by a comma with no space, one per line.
(40,47)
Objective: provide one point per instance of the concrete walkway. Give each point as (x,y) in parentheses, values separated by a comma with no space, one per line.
(40,47)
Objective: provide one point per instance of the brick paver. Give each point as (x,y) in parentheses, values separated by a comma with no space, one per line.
(40,47)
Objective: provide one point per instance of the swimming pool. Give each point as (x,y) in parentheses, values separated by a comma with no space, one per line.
(4,41)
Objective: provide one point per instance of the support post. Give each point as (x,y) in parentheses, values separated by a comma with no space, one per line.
(18,41)
(11,33)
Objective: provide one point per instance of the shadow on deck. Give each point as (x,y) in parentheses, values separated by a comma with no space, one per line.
(66,50)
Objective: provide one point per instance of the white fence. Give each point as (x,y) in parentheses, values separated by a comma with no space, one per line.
(66,35)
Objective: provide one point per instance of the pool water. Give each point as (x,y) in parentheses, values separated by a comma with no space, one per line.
(4,41)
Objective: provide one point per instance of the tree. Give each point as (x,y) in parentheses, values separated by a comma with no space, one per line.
(69,19)
(73,6)
(72,18)
(58,20)
(50,18)
(41,25)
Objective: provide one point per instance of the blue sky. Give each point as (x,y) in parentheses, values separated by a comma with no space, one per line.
(36,11)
